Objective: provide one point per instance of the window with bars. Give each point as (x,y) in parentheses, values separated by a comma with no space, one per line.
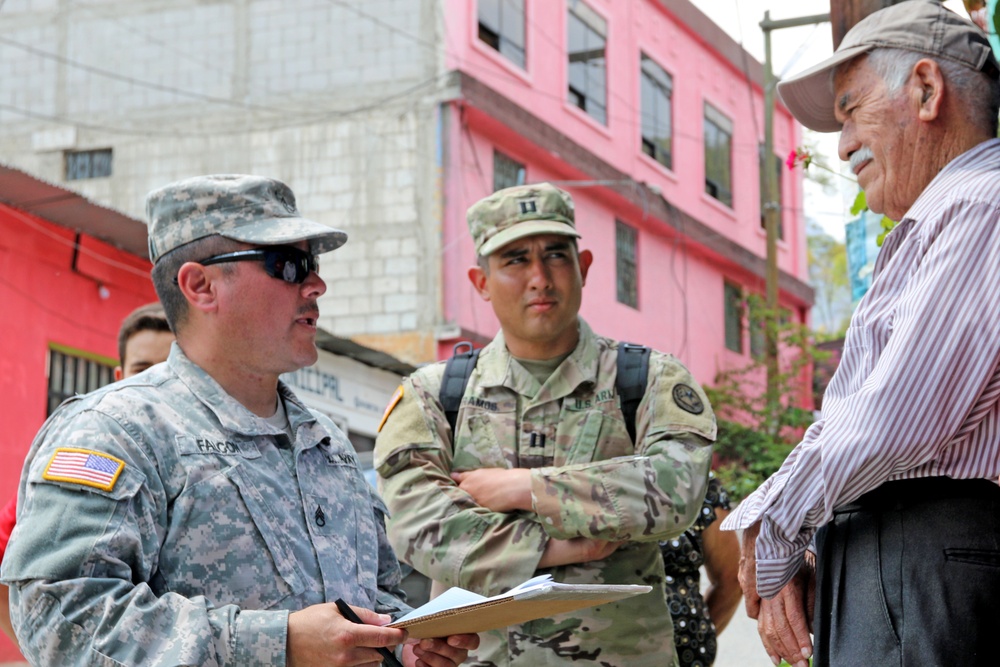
(657,131)
(733,306)
(626,238)
(718,156)
(758,334)
(507,172)
(71,374)
(501,25)
(776,165)
(587,65)
(88,164)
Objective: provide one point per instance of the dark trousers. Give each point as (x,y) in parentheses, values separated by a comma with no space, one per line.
(909,576)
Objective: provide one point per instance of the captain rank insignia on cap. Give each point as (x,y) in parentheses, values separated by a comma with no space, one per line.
(85,467)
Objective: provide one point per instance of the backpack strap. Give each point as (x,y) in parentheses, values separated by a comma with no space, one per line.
(456,377)
(633,371)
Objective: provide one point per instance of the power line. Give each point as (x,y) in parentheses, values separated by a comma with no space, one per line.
(138,82)
(377,21)
(295,122)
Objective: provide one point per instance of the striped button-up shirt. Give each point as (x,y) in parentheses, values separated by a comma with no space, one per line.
(916,391)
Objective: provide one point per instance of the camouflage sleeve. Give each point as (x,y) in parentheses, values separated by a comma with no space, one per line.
(82,556)
(654,495)
(435,526)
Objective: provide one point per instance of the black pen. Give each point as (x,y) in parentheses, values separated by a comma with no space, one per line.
(348,613)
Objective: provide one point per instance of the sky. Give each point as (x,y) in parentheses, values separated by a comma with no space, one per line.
(793,50)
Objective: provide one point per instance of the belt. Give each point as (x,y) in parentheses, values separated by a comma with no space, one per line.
(902,493)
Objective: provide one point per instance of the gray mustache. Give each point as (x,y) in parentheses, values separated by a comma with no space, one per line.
(859,156)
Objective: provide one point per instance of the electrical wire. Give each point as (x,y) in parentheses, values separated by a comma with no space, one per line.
(18,215)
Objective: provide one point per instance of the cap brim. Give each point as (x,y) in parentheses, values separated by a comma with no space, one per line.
(284,231)
(526,228)
(809,94)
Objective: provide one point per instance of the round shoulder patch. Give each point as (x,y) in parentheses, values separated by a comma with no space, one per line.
(687,399)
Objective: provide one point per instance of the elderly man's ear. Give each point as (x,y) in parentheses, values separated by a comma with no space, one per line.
(927,89)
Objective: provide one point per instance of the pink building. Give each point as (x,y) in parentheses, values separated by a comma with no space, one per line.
(652,118)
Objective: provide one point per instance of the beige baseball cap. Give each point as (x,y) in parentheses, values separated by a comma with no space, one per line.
(924,26)
(523,210)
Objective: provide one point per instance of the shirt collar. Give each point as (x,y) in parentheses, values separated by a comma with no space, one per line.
(232,414)
(579,367)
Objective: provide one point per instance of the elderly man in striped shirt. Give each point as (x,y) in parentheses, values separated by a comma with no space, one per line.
(894,488)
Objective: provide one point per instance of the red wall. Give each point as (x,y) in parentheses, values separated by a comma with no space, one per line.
(46,298)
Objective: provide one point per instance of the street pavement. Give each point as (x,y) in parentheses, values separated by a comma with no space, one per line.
(739,644)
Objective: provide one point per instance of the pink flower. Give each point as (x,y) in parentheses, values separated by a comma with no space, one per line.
(798,156)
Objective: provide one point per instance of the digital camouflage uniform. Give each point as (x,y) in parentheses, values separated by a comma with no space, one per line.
(588,480)
(215,527)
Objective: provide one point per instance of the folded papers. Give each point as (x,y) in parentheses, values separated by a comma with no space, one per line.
(458,611)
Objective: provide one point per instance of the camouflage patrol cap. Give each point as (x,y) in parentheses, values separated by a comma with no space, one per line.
(523,210)
(251,209)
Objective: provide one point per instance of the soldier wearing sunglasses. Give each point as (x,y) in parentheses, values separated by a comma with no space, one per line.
(200,514)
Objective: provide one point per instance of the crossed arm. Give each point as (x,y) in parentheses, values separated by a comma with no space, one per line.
(508,490)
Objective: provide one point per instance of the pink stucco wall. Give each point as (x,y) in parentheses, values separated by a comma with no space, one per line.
(680,282)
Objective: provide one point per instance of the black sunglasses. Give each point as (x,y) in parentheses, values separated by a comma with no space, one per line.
(282,262)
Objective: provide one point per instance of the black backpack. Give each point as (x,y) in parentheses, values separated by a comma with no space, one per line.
(633,371)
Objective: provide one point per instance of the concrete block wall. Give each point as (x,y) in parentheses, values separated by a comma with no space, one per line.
(338,99)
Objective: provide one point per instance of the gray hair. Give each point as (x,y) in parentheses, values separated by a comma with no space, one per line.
(175,306)
(980,93)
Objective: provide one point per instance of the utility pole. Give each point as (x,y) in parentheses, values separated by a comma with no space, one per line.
(772,213)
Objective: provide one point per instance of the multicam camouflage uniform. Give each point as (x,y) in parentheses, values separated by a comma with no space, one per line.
(588,480)
(214,528)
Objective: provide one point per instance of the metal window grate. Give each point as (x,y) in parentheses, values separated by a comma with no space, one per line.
(88,164)
(733,307)
(507,172)
(70,375)
(626,261)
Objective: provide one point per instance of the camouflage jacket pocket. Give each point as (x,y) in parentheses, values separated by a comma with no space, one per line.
(224,545)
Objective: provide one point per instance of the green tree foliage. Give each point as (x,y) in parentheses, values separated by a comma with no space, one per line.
(861,204)
(828,273)
(752,442)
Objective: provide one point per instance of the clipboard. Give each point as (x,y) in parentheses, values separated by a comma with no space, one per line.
(458,611)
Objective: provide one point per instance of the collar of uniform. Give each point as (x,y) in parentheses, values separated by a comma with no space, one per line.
(497,367)
(232,415)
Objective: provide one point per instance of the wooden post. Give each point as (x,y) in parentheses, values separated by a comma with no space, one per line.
(845,13)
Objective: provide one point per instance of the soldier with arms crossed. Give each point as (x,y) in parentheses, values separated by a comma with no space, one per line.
(540,474)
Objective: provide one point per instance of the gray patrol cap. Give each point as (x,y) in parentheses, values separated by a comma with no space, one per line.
(250,209)
(924,26)
(523,210)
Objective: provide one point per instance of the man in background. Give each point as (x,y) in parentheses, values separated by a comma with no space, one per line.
(143,340)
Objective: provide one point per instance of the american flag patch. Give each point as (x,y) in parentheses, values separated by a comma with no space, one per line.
(83,466)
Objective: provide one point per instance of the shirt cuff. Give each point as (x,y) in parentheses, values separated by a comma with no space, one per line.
(773,574)
(261,638)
